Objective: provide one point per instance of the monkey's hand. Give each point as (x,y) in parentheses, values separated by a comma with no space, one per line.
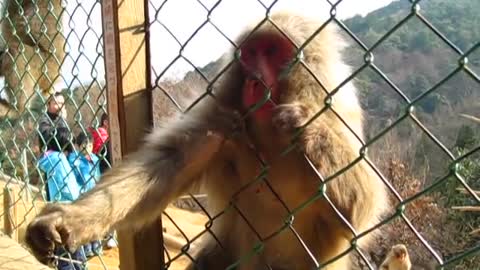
(49,229)
(227,122)
(288,117)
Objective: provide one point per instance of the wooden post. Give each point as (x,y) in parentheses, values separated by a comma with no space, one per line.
(25,193)
(130,112)
(10,210)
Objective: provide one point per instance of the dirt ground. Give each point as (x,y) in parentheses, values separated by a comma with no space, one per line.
(107,261)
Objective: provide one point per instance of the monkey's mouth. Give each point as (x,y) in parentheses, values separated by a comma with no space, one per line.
(259,98)
(400,255)
(258,95)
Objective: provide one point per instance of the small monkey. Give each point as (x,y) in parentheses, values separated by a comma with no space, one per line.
(216,144)
(397,259)
(34,51)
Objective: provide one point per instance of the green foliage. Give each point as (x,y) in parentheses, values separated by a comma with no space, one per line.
(466,138)
(468,170)
(419,85)
(413,56)
(453,18)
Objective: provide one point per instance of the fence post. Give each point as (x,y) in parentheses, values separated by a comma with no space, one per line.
(10,210)
(26,175)
(130,112)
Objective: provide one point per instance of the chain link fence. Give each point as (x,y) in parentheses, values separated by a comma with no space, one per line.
(417,76)
(49,143)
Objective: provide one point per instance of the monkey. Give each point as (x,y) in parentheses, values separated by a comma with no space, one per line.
(34,51)
(303,207)
(397,259)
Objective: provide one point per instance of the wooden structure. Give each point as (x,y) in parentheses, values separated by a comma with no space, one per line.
(20,204)
(130,114)
(15,257)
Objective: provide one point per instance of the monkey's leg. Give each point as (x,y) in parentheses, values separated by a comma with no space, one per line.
(19,83)
(320,142)
(133,193)
(51,63)
(6,110)
(43,30)
(211,257)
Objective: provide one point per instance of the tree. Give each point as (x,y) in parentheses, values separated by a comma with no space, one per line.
(466,137)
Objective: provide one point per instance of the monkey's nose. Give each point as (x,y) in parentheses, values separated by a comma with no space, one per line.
(401,255)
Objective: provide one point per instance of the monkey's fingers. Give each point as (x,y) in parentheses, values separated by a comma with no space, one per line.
(228,122)
(205,148)
(288,117)
(68,239)
(42,234)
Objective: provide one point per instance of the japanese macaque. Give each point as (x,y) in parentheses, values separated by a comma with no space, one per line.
(397,259)
(292,207)
(34,51)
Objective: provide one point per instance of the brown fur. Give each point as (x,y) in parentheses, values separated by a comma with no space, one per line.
(198,148)
(21,65)
(397,259)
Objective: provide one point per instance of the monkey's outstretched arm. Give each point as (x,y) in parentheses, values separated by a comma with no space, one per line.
(136,191)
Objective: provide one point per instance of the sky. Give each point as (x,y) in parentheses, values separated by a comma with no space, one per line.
(230,16)
(83,29)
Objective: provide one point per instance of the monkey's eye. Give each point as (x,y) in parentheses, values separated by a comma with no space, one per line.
(271,50)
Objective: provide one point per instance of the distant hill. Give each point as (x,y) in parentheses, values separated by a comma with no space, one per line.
(414,57)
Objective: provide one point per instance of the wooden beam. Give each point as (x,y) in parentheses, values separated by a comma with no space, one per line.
(464,191)
(10,210)
(467,208)
(476,231)
(130,112)
(470,117)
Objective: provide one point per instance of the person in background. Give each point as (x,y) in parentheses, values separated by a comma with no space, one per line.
(61,186)
(101,143)
(86,166)
(55,117)
(101,147)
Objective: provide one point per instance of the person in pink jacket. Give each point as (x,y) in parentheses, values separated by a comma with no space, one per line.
(101,143)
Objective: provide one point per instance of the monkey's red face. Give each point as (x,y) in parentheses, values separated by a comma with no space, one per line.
(263,58)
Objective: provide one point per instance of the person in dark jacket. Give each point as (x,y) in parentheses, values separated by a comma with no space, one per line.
(55,117)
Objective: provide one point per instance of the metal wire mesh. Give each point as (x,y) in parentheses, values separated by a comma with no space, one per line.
(82,84)
(50,47)
(169,93)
